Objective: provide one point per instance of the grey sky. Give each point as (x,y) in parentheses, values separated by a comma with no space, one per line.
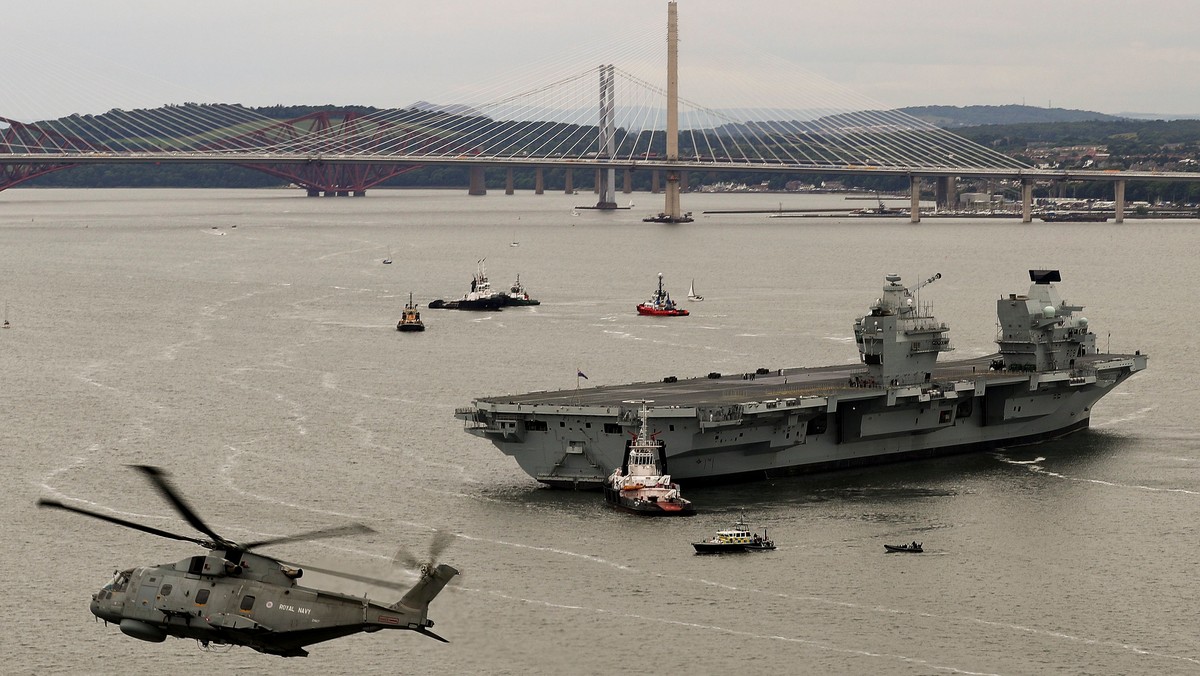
(1105,55)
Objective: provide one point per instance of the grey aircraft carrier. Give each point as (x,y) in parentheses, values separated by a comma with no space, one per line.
(897,403)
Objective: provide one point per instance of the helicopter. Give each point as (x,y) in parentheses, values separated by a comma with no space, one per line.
(232,596)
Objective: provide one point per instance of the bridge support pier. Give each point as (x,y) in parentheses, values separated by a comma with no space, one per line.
(654,189)
(946,192)
(1119,200)
(628,185)
(914,202)
(539,181)
(1026,201)
(568,181)
(478,184)
(508,182)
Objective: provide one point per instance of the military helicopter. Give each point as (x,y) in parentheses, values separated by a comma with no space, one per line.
(232,596)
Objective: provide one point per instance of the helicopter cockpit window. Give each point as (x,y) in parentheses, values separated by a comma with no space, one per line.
(202,597)
(247,602)
(120,581)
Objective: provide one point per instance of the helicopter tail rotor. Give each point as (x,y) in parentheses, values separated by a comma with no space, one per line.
(441,540)
(429,586)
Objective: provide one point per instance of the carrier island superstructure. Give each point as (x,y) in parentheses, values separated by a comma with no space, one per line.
(897,403)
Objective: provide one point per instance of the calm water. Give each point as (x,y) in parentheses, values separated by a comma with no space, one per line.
(260,364)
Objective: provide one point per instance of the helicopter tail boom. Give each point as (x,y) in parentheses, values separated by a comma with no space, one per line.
(424,591)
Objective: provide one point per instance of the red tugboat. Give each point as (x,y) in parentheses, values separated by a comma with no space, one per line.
(660,304)
(641,484)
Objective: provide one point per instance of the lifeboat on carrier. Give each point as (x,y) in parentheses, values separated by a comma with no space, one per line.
(660,304)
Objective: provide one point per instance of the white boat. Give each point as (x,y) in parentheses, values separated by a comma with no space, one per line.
(735,540)
(692,291)
(641,484)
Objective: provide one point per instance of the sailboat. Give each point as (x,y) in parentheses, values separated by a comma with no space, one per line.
(692,291)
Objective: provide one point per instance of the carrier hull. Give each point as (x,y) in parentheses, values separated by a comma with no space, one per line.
(794,421)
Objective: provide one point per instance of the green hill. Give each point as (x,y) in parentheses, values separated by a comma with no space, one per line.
(950,117)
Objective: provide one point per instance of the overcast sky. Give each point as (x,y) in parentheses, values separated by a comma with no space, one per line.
(1112,56)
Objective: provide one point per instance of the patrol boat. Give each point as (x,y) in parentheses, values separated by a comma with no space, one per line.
(897,403)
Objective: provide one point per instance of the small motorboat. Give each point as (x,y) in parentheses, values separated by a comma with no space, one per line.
(387,261)
(735,540)
(410,319)
(660,304)
(641,484)
(912,548)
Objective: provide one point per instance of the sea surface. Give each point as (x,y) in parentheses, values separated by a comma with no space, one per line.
(245,341)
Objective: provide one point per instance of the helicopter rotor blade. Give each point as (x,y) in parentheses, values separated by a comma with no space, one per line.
(404,558)
(338,531)
(441,540)
(366,579)
(54,504)
(159,478)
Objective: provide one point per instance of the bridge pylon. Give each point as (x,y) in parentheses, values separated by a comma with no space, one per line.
(672,213)
(607,177)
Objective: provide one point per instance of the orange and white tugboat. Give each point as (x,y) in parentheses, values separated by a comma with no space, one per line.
(660,304)
(641,484)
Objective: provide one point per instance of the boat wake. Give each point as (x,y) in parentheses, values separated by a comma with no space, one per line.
(1033,466)
(812,643)
(1135,415)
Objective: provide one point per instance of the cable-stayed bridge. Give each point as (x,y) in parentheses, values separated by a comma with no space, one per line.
(608,116)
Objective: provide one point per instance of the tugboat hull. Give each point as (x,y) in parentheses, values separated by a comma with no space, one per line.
(655,312)
(651,507)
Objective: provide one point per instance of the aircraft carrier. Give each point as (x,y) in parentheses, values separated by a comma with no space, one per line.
(897,403)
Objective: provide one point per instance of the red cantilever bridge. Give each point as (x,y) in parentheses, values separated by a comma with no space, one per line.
(290,149)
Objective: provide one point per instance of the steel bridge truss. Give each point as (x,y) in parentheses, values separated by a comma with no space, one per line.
(335,132)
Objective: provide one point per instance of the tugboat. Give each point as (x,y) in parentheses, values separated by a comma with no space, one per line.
(913,548)
(517,295)
(660,304)
(641,484)
(410,319)
(735,540)
(481,296)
